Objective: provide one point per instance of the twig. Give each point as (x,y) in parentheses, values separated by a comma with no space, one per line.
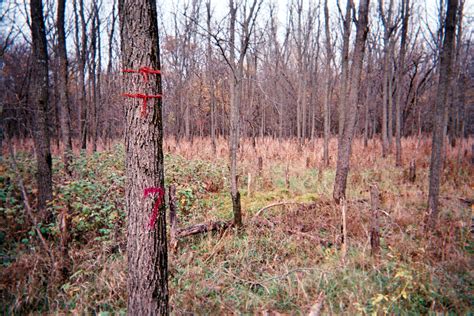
(252,283)
(317,307)
(276,204)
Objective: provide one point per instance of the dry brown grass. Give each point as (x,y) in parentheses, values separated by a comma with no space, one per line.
(284,259)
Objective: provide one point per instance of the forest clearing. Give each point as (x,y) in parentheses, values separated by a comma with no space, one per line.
(283,259)
(271,157)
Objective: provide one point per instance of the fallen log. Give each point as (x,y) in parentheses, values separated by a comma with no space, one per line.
(202,228)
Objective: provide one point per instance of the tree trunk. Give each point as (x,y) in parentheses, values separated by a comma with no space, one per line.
(345,145)
(39,96)
(146,246)
(327,82)
(98,95)
(386,106)
(211,79)
(440,108)
(345,69)
(63,88)
(81,50)
(400,73)
(368,99)
(92,75)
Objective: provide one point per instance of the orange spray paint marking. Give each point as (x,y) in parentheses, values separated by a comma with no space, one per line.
(145,71)
(160,194)
(145,98)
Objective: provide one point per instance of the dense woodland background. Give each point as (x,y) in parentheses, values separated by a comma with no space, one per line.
(342,131)
(286,68)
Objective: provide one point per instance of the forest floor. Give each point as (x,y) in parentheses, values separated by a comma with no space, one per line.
(285,260)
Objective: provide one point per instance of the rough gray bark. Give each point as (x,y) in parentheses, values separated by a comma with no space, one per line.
(389,28)
(327,83)
(81,56)
(211,79)
(345,144)
(146,246)
(345,69)
(235,99)
(93,74)
(445,71)
(400,72)
(39,97)
(237,71)
(63,87)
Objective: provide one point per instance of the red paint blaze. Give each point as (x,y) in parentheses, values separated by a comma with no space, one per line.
(145,71)
(145,98)
(160,194)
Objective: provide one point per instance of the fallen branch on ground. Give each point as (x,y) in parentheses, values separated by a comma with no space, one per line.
(202,228)
(260,211)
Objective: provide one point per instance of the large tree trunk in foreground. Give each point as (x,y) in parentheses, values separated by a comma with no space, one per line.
(63,89)
(146,244)
(440,108)
(345,144)
(39,97)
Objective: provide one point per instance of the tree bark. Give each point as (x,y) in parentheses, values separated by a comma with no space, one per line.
(445,71)
(93,74)
(345,69)
(345,145)
(386,106)
(400,72)
(237,71)
(63,88)
(211,79)
(39,96)
(81,49)
(146,246)
(326,112)
(235,96)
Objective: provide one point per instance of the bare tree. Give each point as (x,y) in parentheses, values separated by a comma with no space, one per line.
(327,83)
(344,67)
(235,61)
(146,246)
(81,56)
(445,72)
(345,144)
(39,95)
(389,28)
(64,88)
(400,72)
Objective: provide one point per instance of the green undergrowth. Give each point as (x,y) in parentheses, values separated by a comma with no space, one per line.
(281,268)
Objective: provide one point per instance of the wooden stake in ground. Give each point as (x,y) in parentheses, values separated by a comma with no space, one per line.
(260,166)
(412,171)
(146,223)
(249,185)
(344,229)
(173,219)
(374,229)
